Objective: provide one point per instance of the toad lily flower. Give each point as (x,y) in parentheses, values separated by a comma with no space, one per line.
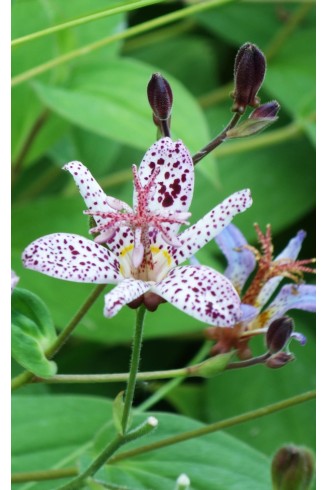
(139,248)
(242,260)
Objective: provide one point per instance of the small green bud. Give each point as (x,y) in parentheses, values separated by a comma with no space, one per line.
(292,468)
(212,366)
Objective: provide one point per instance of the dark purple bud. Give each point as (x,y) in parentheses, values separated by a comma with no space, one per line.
(279,333)
(160,97)
(249,72)
(266,111)
(279,360)
(292,468)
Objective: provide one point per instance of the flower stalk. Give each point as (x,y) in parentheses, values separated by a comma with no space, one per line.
(134,366)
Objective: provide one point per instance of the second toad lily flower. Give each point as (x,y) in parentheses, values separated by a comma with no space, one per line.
(143,249)
(242,260)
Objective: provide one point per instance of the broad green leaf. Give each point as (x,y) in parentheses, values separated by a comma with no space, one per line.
(64,425)
(244,389)
(52,431)
(213,462)
(33,332)
(112,102)
(34,15)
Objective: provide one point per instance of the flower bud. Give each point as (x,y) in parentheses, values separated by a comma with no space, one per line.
(292,468)
(160,97)
(279,360)
(269,110)
(279,333)
(249,72)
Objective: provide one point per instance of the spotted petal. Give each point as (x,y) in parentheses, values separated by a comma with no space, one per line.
(290,252)
(93,195)
(124,293)
(174,183)
(196,236)
(72,258)
(290,297)
(241,261)
(202,293)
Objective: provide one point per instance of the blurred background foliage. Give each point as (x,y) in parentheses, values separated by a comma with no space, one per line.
(89,103)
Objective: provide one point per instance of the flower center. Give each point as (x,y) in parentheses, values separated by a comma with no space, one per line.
(145,224)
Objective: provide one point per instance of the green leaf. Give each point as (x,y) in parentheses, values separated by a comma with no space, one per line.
(112,102)
(34,15)
(212,462)
(33,332)
(242,390)
(53,431)
(64,426)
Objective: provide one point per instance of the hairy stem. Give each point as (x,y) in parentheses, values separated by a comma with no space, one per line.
(134,366)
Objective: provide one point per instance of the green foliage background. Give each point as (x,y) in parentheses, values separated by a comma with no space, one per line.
(94,109)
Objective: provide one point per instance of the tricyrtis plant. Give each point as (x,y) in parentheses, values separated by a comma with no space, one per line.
(140,248)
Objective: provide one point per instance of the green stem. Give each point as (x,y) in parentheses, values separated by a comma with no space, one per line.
(21,380)
(95,465)
(43,475)
(26,376)
(83,20)
(224,424)
(18,163)
(176,381)
(113,378)
(217,141)
(134,366)
(132,31)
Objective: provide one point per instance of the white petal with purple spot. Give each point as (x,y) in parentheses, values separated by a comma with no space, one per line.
(211,225)
(174,183)
(72,258)
(124,293)
(202,293)
(93,195)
